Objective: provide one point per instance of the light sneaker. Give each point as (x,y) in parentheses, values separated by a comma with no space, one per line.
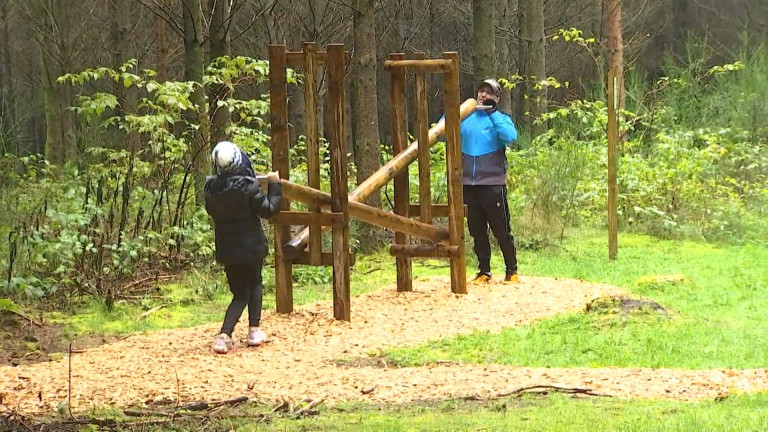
(511,279)
(223,344)
(256,336)
(481,278)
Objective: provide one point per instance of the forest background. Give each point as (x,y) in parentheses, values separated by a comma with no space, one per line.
(109,109)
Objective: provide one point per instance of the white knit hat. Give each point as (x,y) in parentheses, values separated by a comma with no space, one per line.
(226,156)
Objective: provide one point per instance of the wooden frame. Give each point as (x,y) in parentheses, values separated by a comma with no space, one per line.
(436,241)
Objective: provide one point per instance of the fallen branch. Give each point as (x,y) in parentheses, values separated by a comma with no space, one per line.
(21,315)
(151,311)
(539,389)
(307,410)
(148,278)
(202,406)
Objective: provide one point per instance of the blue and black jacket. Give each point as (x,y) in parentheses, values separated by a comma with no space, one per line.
(484,138)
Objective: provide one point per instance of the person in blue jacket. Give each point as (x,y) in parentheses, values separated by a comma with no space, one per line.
(236,204)
(485,134)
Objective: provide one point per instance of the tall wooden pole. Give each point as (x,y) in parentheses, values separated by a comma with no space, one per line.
(455,174)
(313,143)
(614,79)
(278,116)
(339,188)
(399,143)
(422,122)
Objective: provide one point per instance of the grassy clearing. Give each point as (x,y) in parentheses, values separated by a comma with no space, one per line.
(716,315)
(201,297)
(527,413)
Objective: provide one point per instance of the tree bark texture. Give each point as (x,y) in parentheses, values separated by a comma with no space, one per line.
(484,39)
(54,26)
(160,42)
(531,17)
(200,161)
(219,46)
(7,103)
(365,120)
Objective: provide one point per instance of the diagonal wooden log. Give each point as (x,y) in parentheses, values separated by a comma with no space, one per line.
(375,182)
(366,213)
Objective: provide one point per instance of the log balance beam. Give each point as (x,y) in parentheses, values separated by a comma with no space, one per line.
(371,185)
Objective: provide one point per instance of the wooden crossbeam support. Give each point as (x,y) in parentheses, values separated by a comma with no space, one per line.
(326,259)
(297,59)
(424,251)
(308,218)
(381,177)
(366,213)
(436,65)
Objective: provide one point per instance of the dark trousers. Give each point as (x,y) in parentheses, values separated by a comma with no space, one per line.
(245,284)
(487,206)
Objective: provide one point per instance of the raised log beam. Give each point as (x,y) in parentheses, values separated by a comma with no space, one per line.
(386,173)
(366,213)
(424,251)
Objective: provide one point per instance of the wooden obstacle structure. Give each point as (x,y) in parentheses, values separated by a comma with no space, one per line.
(332,211)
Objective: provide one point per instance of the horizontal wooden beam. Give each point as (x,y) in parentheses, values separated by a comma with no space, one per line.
(424,251)
(386,173)
(310,218)
(432,65)
(326,259)
(438,210)
(298,59)
(365,213)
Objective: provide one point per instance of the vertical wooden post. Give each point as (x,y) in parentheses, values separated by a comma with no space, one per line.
(613,137)
(336,61)
(454,167)
(278,115)
(399,143)
(313,144)
(422,122)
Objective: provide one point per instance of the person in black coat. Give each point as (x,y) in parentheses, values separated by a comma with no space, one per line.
(237,204)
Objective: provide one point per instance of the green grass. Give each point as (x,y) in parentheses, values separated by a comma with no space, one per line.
(528,413)
(201,297)
(717,316)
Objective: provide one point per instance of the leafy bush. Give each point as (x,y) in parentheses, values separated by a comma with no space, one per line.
(676,178)
(81,228)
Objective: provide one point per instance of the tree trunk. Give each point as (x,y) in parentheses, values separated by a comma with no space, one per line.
(200,161)
(7,103)
(161,43)
(531,16)
(122,12)
(505,57)
(365,120)
(483,39)
(120,38)
(614,44)
(54,24)
(219,46)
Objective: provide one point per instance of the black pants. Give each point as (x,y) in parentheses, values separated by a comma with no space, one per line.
(245,284)
(487,206)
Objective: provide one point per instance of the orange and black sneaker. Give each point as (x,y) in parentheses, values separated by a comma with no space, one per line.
(481,278)
(511,278)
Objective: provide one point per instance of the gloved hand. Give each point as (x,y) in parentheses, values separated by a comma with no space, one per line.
(492,104)
(273,177)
